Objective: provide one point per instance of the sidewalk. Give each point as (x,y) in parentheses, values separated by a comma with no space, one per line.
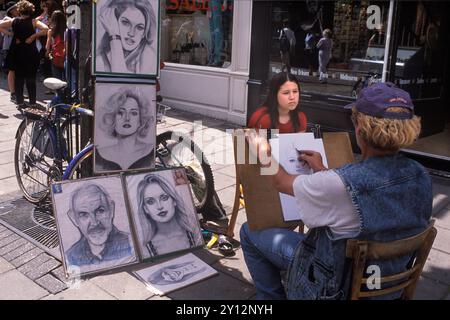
(28,272)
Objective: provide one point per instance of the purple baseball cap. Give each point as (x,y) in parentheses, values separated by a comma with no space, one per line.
(377,98)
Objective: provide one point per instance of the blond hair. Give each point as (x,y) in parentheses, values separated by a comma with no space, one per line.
(387,134)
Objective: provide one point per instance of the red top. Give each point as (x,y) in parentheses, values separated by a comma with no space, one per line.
(260,119)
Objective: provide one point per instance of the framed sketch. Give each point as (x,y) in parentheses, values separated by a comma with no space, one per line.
(175,274)
(124,127)
(163,212)
(93,225)
(126,38)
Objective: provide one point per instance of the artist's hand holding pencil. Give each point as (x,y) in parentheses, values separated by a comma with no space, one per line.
(313,158)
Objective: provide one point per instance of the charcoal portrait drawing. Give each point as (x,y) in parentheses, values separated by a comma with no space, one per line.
(176,273)
(163,212)
(91,208)
(125,127)
(126,37)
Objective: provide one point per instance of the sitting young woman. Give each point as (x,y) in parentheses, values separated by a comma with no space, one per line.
(282,108)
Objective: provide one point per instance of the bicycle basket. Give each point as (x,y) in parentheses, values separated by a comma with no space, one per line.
(40,138)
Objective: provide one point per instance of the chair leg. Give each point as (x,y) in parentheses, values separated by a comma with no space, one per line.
(234,213)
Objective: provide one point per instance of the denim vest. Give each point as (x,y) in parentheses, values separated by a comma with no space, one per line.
(393,198)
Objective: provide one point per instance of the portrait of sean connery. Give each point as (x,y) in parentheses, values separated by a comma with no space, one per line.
(126,37)
(93,225)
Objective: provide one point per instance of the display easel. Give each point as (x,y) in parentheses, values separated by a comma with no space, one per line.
(262,202)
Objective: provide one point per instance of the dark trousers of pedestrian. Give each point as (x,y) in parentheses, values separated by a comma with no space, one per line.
(30,82)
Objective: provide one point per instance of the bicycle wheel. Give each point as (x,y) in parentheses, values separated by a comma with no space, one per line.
(176,149)
(83,165)
(33,160)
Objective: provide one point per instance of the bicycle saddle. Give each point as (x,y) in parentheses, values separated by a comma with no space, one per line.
(54,84)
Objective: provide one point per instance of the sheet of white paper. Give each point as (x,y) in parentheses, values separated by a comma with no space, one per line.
(284,150)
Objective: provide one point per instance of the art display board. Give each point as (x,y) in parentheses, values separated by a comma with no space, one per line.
(286,149)
(262,201)
(107,222)
(175,274)
(126,38)
(163,212)
(124,127)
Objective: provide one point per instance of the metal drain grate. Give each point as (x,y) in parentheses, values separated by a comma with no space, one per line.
(36,223)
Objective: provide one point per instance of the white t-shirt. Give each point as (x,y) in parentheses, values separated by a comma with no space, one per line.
(324,201)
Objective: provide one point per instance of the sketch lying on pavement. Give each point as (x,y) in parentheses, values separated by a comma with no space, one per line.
(175,274)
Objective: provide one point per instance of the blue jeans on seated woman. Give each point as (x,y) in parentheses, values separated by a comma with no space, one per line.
(267,253)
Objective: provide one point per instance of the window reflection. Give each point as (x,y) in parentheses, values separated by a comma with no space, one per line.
(197,32)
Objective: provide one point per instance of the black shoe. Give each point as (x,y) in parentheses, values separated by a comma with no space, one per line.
(13,98)
(21,106)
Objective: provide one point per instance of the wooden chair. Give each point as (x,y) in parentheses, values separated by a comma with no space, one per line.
(360,251)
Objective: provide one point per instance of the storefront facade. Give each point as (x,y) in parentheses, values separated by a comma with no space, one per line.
(205,45)
(405,42)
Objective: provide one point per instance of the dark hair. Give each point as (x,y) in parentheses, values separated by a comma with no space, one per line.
(272,99)
(52,6)
(58,23)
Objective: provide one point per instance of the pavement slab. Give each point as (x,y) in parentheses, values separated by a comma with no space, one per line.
(5,266)
(220,287)
(123,286)
(16,286)
(429,289)
(30,255)
(51,284)
(19,251)
(82,290)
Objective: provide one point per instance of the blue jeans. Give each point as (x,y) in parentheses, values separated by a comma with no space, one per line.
(267,253)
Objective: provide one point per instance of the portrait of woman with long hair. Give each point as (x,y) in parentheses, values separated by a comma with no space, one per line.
(163,212)
(126,37)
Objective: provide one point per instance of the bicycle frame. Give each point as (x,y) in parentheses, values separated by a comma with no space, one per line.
(75,160)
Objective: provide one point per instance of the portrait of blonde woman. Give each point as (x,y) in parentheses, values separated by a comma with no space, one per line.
(126,37)
(163,212)
(125,128)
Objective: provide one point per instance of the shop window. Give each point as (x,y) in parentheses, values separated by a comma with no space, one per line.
(421,49)
(197,32)
(351,59)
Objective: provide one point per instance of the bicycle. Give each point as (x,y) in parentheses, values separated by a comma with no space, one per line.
(368,80)
(43,151)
